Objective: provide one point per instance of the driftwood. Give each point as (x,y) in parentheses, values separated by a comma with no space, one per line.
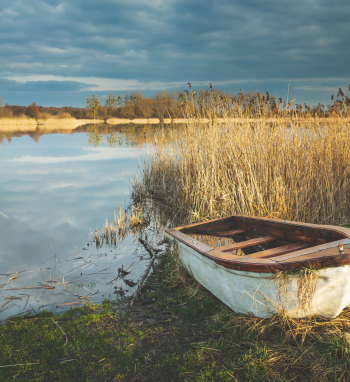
(153,253)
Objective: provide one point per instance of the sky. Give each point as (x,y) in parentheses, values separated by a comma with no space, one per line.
(57,52)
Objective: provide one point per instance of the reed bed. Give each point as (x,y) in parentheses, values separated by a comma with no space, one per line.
(113,232)
(141,121)
(18,124)
(67,123)
(287,170)
(30,124)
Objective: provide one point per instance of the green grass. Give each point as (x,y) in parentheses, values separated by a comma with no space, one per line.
(177,332)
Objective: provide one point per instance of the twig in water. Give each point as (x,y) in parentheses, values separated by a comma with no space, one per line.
(126,177)
(26,302)
(5,217)
(78,251)
(72,303)
(11,298)
(118,274)
(139,287)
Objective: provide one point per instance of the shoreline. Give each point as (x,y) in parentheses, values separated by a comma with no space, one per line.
(30,124)
(176,330)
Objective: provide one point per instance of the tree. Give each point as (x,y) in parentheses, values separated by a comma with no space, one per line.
(33,111)
(111,103)
(145,108)
(93,105)
(128,111)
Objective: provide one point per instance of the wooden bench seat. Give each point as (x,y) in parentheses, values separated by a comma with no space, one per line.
(245,244)
(278,251)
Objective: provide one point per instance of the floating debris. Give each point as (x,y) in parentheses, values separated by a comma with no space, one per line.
(66,280)
(130,283)
(122,272)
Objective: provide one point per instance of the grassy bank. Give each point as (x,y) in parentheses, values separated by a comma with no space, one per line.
(177,331)
(285,169)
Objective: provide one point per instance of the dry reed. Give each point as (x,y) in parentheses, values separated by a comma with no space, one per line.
(46,124)
(122,220)
(282,170)
(136,219)
(306,288)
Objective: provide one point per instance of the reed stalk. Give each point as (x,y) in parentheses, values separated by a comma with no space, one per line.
(287,170)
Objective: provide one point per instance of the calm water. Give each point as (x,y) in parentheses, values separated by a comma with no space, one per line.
(55,192)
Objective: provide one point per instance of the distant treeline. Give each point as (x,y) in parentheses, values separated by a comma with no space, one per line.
(129,106)
(187,103)
(37,112)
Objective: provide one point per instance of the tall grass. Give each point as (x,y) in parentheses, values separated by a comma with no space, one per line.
(281,170)
(30,124)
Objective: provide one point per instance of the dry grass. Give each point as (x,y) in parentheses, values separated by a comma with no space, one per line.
(136,217)
(47,123)
(282,281)
(282,170)
(306,288)
(118,121)
(141,121)
(321,347)
(64,115)
(64,122)
(123,222)
(44,116)
(18,124)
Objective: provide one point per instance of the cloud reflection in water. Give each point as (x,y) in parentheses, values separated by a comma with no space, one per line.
(55,192)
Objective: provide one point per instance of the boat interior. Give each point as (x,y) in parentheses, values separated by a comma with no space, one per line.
(261,238)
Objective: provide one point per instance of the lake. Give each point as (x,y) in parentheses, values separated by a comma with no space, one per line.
(56,190)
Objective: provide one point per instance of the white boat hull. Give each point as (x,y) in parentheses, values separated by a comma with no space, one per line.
(257,293)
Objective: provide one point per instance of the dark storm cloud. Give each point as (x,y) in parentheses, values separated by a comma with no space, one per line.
(176,40)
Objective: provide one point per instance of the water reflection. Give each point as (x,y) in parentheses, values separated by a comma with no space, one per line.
(57,189)
(129,134)
(95,137)
(89,275)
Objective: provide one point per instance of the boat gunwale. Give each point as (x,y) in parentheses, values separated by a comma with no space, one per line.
(317,256)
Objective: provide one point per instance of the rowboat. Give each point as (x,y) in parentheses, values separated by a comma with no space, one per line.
(269,265)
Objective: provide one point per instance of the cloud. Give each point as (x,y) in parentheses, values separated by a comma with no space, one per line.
(102,84)
(98,154)
(97,83)
(151,45)
(8,86)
